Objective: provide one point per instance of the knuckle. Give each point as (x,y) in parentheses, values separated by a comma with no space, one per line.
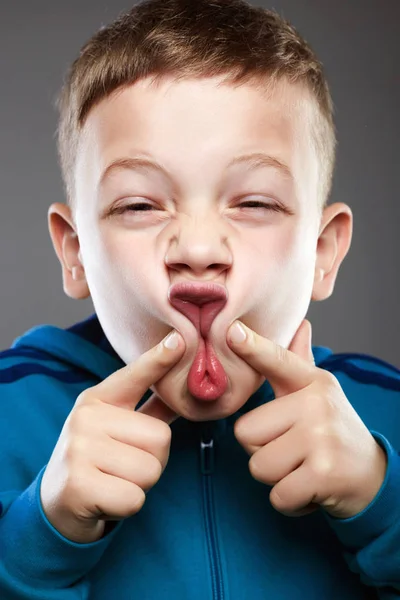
(76,449)
(81,399)
(255,468)
(75,486)
(320,406)
(322,466)
(239,430)
(317,434)
(323,435)
(164,434)
(81,416)
(154,471)
(85,397)
(281,354)
(329,379)
(138,500)
(277,499)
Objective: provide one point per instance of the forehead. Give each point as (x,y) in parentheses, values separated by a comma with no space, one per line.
(198,125)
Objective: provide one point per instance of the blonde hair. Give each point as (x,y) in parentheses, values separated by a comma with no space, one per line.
(185,39)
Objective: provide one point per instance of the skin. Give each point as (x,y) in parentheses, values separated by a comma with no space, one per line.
(308,443)
(273,264)
(109,453)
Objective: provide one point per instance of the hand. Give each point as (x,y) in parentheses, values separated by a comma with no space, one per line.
(309,443)
(108,455)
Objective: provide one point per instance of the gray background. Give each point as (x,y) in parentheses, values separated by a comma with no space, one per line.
(357,41)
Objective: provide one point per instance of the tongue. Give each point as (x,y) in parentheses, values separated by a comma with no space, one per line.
(207,379)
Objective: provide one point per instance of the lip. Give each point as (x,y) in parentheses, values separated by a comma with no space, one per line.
(198,291)
(200,302)
(186,296)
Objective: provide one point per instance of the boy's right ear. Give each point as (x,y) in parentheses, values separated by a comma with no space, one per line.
(66,245)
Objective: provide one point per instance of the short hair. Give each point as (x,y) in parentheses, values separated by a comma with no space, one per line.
(188,39)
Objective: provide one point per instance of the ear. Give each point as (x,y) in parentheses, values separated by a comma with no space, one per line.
(66,245)
(334,241)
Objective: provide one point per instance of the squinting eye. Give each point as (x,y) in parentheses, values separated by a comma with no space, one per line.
(140,206)
(143,206)
(258,204)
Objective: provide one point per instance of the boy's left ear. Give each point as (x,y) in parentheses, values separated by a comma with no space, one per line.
(334,241)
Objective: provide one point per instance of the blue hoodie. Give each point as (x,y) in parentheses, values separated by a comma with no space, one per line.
(207,528)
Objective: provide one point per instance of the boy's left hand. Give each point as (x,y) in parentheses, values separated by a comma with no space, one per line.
(309,443)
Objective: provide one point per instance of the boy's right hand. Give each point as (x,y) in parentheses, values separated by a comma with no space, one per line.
(108,455)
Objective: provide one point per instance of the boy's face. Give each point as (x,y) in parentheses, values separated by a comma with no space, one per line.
(272,263)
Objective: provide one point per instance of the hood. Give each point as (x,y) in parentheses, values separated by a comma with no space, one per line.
(83,346)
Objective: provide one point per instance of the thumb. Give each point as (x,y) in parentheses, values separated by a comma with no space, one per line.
(301,343)
(155,407)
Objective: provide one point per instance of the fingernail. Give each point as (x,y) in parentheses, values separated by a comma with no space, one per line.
(236,333)
(172,341)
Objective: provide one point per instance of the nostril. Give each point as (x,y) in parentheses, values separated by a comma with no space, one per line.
(179,266)
(217,268)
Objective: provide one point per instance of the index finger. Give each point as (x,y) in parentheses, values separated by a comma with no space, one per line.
(126,387)
(286,371)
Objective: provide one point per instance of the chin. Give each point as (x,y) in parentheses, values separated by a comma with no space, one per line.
(176,395)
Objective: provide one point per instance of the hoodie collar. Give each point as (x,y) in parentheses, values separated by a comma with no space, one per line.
(85,346)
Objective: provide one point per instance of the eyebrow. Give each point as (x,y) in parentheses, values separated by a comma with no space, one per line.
(252,161)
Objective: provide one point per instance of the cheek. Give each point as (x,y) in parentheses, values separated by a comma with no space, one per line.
(274,266)
(294,254)
(128,259)
(284,279)
(274,246)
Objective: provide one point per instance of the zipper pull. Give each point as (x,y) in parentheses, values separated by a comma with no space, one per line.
(207,456)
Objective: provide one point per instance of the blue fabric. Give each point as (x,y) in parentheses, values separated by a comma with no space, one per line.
(207,529)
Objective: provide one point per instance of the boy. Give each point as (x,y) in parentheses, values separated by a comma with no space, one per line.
(233,459)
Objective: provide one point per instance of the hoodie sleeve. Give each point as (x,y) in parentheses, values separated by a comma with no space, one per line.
(371,539)
(36,561)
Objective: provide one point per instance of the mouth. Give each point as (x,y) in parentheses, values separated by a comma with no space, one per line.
(201,303)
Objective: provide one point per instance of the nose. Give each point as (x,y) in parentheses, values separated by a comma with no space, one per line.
(199,248)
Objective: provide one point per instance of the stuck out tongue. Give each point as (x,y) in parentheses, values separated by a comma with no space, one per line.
(207,379)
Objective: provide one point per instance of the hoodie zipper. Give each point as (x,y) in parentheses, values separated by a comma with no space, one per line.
(207,469)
